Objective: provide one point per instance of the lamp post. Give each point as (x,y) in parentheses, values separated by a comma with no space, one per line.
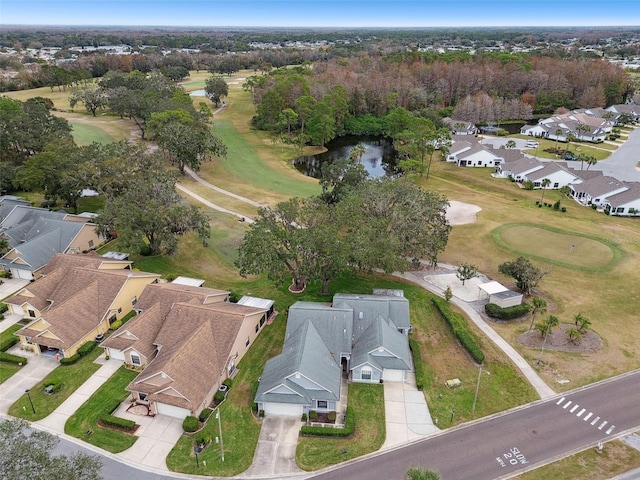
(475,398)
(197,461)
(29,397)
(453,412)
(220,431)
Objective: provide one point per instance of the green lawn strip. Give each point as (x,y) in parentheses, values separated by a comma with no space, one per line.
(367,403)
(70,376)
(86,417)
(7,370)
(618,253)
(614,459)
(86,134)
(243,161)
(9,333)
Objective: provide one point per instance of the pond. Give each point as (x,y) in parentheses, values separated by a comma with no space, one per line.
(379,159)
(198,93)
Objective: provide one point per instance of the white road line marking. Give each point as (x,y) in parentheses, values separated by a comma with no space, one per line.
(579,414)
(567,404)
(595,420)
(610,429)
(560,401)
(575,407)
(588,416)
(604,422)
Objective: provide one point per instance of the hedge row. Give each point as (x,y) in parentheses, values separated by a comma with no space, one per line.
(70,360)
(509,313)
(118,422)
(349,428)
(3,307)
(87,348)
(460,329)
(10,358)
(417,362)
(7,343)
(204,415)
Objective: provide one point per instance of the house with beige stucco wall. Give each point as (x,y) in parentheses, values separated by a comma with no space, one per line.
(186,340)
(74,300)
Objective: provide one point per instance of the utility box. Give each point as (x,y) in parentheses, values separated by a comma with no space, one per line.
(455,382)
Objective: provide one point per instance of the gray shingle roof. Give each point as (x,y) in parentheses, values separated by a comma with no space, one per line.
(392,345)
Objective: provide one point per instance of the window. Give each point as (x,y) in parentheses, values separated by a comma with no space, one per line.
(119,310)
(263,319)
(365,374)
(257,327)
(232,367)
(556,185)
(134,300)
(32,313)
(135,359)
(142,396)
(620,210)
(246,344)
(322,404)
(90,243)
(112,318)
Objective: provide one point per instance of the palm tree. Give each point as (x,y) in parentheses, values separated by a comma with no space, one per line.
(545,328)
(539,305)
(4,246)
(356,153)
(558,132)
(417,473)
(545,183)
(591,160)
(581,322)
(574,335)
(581,128)
(510,144)
(570,138)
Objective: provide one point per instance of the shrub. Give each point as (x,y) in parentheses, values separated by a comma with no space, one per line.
(7,343)
(313,415)
(304,417)
(145,251)
(228,382)
(417,362)
(87,348)
(56,386)
(528,185)
(349,427)
(3,306)
(234,297)
(556,206)
(331,416)
(170,277)
(460,329)
(509,313)
(118,422)
(48,204)
(501,133)
(563,209)
(70,360)
(219,396)
(204,415)
(261,413)
(190,424)
(10,358)
(203,438)
(112,406)
(115,325)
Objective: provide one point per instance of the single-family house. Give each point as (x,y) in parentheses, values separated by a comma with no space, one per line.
(362,337)
(186,340)
(596,190)
(538,130)
(77,297)
(36,234)
(460,127)
(630,110)
(557,175)
(476,156)
(625,203)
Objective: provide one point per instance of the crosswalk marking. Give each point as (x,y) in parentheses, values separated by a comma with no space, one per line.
(604,422)
(579,414)
(560,401)
(595,421)
(587,416)
(567,404)
(610,429)
(575,407)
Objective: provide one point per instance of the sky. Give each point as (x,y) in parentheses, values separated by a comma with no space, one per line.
(322,13)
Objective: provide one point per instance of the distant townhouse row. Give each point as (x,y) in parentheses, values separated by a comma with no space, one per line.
(587,187)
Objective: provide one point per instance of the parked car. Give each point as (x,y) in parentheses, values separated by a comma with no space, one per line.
(99,337)
(532,144)
(570,156)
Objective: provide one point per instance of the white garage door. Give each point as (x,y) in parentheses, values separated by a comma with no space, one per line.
(171,411)
(116,354)
(284,409)
(393,375)
(22,274)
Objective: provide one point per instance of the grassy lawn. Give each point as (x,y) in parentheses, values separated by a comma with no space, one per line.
(600,150)
(71,377)
(86,134)
(86,417)
(367,402)
(8,369)
(9,332)
(559,247)
(615,458)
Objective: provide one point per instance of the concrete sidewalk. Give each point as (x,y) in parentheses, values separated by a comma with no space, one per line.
(9,286)
(527,370)
(55,422)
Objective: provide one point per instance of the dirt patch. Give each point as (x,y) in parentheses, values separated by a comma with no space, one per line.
(559,341)
(460,213)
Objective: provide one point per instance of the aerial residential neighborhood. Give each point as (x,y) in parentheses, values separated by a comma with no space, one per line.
(319,250)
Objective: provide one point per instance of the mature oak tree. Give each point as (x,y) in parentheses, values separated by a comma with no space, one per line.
(216,89)
(526,275)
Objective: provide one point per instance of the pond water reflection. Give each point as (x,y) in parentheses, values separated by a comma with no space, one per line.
(379,159)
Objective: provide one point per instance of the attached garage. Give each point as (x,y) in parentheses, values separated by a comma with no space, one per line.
(389,375)
(21,274)
(284,409)
(171,411)
(116,354)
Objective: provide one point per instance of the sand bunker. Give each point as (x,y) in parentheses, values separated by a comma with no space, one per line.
(460,213)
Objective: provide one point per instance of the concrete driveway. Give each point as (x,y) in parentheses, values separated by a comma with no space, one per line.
(37,367)
(276,451)
(622,163)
